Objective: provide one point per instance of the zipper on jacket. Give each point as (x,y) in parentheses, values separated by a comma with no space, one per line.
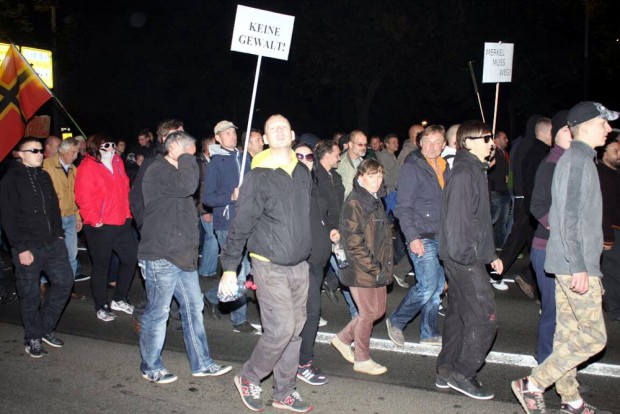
(47,220)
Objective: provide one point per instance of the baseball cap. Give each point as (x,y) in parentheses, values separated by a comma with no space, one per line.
(223,126)
(585,111)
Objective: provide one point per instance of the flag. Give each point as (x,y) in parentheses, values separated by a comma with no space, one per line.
(21,94)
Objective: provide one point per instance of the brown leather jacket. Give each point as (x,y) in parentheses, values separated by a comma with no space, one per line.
(367,240)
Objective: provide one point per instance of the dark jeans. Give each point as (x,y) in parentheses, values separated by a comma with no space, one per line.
(610,266)
(471,320)
(282,292)
(500,210)
(520,236)
(40,319)
(102,241)
(546,325)
(313,313)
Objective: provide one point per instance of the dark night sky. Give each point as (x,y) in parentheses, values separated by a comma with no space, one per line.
(122,65)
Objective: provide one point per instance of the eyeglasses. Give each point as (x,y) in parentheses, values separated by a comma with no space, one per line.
(308,157)
(34,151)
(486,138)
(107,145)
(360,144)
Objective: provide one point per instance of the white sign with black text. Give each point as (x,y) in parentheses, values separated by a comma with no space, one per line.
(497,62)
(262,33)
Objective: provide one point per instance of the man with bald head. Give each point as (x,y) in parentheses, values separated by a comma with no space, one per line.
(272,217)
(410,144)
(51,146)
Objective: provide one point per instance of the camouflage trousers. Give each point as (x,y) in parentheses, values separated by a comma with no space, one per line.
(579,334)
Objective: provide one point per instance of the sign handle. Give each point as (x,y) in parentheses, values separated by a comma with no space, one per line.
(495,110)
(473,79)
(247,134)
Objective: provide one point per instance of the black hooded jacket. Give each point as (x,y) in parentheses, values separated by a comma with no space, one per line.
(29,206)
(519,151)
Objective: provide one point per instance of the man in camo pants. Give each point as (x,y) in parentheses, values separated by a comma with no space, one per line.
(573,255)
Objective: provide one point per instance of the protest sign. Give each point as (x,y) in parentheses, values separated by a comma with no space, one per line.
(262,33)
(497,62)
(38,127)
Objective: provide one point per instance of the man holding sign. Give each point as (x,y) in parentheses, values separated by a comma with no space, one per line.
(272,216)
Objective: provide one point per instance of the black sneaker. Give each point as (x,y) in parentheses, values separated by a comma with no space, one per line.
(246,327)
(441,382)
(584,409)
(161,376)
(310,374)
(250,394)
(293,402)
(213,370)
(332,293)
(532,402)
(52,340)
(35,349)
(469,386)
(6,298)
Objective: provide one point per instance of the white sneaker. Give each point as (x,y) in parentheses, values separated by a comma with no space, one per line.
(122,306)
(322,322)
(497,284)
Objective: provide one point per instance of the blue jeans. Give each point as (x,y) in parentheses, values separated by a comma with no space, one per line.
(500,210)
(424,297)
(208,264)
(345,290)
(69,226)
(546,324)
(163,281)
(238,315)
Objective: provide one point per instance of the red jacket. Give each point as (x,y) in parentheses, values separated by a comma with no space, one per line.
(102,197)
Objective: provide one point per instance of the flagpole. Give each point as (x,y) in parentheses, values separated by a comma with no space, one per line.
(49,91)
(473,79)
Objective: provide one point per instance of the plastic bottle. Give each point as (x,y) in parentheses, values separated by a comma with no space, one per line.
(341,257)
(242,288)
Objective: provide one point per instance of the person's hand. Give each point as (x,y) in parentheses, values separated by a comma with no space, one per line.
(607,246)
(208,217)
(417,247)
(228,284)
(498,266)
(235,194)
(580,282)
(78,226)
(26,258)
(334,236)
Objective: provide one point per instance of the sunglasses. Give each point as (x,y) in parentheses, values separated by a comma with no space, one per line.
(486,138)
(107,145)
(34,151)
(308,157)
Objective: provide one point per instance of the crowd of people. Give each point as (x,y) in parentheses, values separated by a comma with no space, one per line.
(454,207)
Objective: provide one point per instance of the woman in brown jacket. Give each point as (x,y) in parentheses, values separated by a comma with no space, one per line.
(367,241)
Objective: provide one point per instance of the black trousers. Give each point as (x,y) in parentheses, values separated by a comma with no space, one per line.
(520,236)
(610,266)
(471,320)
(52,258)
(102,241)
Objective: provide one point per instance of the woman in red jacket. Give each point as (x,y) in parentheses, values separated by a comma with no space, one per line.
(102,195)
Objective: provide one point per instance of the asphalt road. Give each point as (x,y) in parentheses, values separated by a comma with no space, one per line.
(98,369)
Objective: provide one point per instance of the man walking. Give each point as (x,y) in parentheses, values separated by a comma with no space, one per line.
(420,185)
(272,216)
(168,253)
(573,255)
(33,226)
(358,143)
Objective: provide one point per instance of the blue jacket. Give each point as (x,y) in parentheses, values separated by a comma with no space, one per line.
(418,205)
(220,180)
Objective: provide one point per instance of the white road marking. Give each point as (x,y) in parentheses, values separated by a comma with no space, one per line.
(503,358)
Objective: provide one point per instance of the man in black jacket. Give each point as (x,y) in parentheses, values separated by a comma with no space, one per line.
(31,220)
(465,246)
(272,215)
(168,253)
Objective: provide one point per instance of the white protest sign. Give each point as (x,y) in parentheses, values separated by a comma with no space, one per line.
(262,33)
(497,62)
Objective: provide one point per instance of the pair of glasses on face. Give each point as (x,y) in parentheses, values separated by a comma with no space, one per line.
(107,145)
(308,157)
(34,151)
(486,138)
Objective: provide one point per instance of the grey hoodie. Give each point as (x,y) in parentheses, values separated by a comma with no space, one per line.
(576,214)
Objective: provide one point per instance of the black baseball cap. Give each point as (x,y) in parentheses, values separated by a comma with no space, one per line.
(585,111)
